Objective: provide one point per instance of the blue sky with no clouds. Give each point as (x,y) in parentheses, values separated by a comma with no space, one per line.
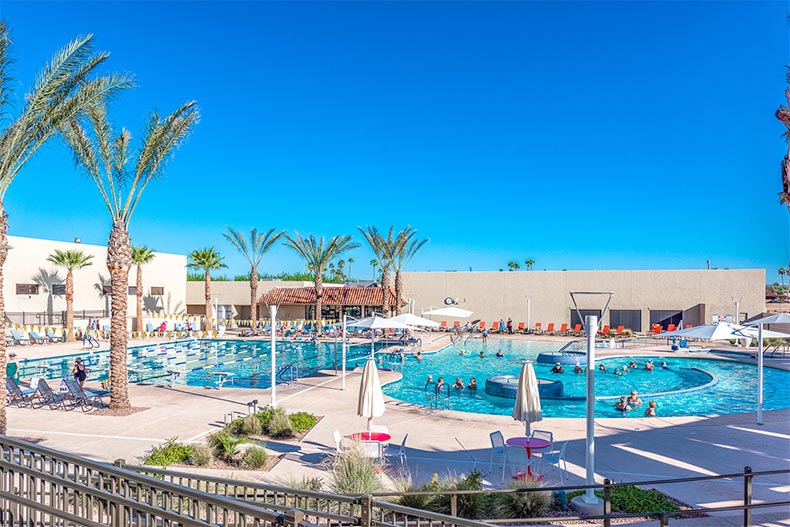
(589,135)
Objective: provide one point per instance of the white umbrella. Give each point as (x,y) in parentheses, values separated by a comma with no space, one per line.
(374,323)
(455,312)
(779,318)
(371,398)
(527,407)
(414,320)
(718,331)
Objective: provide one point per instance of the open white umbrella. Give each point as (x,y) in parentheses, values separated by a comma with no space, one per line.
(455,312)
(371,399)
(779,318)
(718,331)
(374,323)
(414,320)
(527,407)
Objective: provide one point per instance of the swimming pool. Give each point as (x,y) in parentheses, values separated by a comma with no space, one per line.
(249,362)
(722,387)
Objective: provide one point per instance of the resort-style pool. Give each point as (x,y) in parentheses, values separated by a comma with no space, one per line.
(710,386)
(198,361)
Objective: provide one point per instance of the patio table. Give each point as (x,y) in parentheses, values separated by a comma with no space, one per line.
(529,444)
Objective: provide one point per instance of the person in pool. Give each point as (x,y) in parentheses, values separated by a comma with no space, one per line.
(634,399)
(578,368)
(622,405)
(429,379)
(649,366)
(650,411)
(439,383)
(482,355)
(601,367)
(624,369)
(617,372)
(485,336)
(462,352)
(418,355)
(472,384)
(664,366)
(632,365)
(458,384)
(499,353)
(558,368)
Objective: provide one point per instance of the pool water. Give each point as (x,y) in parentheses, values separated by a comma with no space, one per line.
(713,386)
(199,360)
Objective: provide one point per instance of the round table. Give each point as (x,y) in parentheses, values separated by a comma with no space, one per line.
(381,437)
(529,444)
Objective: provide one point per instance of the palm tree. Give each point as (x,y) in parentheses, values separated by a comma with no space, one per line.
(384,249)
(252,250)
(529,264)
(62,90)
(121,175)
(206,260)
(317,257)
(782,273)
(375,264)
(141,256)
(783,114)
(513,265)
(71,260)
(405,249)
(350,261)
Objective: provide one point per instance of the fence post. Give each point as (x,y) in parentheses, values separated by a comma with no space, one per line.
(294,518)
(663,520)
(747,496)
(367,510)
(454,505)
(607,502)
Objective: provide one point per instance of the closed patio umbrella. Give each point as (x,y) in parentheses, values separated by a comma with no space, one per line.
(527,407)
(371,399)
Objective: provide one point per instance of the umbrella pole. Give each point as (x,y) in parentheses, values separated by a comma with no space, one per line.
(343,374)
(370,424)
(592,328)
(760,361)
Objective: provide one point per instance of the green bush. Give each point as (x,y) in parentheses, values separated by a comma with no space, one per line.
(315,484)
(301,421)
(254,458)
(632,499)
(523,504)
(468,505)
(225,445)
(251,426)
(279,426)
(201,455)
(353,472)
(405,484)
(265,416)
(236,427)
(168,453)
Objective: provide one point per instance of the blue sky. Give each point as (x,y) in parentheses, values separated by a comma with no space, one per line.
(588,135)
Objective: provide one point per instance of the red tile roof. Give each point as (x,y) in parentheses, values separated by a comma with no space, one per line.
(337,296)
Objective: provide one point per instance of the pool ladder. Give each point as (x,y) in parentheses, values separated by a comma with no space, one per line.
(289,373)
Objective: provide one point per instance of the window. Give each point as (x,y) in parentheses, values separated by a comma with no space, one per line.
(58,289)
(157,291)
(27,289)
(585,312)
(628,318)
(106,289)
(132,290)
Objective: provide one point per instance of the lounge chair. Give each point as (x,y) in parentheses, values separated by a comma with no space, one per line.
(16,395)
(619,332)
(604,331)
(494,327)
(36,337)
(563,330)
(443,325)
(550,329)
(45,395)
(85,399)
(577,331)
(482,326)
(537,329)
(521,328)
(18,339)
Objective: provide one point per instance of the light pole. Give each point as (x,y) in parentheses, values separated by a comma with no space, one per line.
(273,315)
(591,323)
(529,313)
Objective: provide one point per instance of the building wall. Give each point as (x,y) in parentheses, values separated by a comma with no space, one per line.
(235,297)
(27,264)
(494,295)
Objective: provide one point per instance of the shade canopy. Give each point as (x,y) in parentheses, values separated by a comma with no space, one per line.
(371,399)
(721,331)
(376,322)
(414,320)
(452,311)
(777,318)
(527,407)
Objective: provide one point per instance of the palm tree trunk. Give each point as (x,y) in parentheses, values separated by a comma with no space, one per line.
(208,301)
(139,325)
(119,262)
(319,295)
(398,291)
(70,306)
(3,358)
(385,287)
(254,296)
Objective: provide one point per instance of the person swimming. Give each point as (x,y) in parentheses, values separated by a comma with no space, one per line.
(499,353)
(617,372)
(622,405)
(649,366)
(632,365)
(472,384)
(578,368)
(664,366)
(601,367)
(462,352)
(458,384)
(650,411)
(558,368)
(634,399)
(482,355)
(624,369)
(418,355)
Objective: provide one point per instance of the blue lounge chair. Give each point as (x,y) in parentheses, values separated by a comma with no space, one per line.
(45,395)
(38,338)
(18,339)
(87,400)
(16,395)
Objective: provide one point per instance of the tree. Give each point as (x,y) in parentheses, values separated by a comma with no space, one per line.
(782,273)
(207,260)
(783,114)
(317,257)
(71,260)
(384,249)
(121,174)
(350,261)
(529,263)
(513,265)
(63,89)
(404,250)
(140,256)
(374,263)
(252,250)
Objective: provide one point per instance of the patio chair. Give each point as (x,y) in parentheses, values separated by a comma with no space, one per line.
(537,329)
(16,395)
(18,339)
(577,331)
(516,457)
(497,449)
(563,330)
(556,458)
(338,441)
(45,395)
(521,328)
(402,453)
(36,337)
(382,429)
(372,449)
(550,329)
(544,434)
(87,400)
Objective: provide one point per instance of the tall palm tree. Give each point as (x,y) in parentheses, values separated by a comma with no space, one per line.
(783,114)
(141,256)
(62,90)
(384,249)
(206,260)
(350,261)
(782,273)
(375,264)
(317,256)
(513,265)
(121,174)
(71,260)
(252,250)
(404,250)
(530,263)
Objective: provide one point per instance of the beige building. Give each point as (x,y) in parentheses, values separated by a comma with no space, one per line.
(232,299)
(34,289)
(641,298)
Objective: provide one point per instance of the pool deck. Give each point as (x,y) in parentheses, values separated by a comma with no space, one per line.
(441,441)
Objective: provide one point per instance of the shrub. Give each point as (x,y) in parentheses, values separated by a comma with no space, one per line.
(279,425)
(265,416)
(523,504)
(201,455)
(251,426)
(632,499)
(405,484)
(254,458)
(315,484)
(468,505)
(235,427)
(225,444)
(168,453)
(353,472)
(301,421)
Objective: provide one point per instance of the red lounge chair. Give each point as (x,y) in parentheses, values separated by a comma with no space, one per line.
(577,330)
(494,327)
(619,332)
(550,328)
(520,328)
(689,326)
(563,330)
(443,325)
(604,331)
(457,324)
(656,329)
(537,329)
(671,327)
(481,326)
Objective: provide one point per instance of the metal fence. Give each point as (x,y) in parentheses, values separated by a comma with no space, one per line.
(44,487)
(52,318)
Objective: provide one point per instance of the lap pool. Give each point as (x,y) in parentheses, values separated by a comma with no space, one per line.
(687,387)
